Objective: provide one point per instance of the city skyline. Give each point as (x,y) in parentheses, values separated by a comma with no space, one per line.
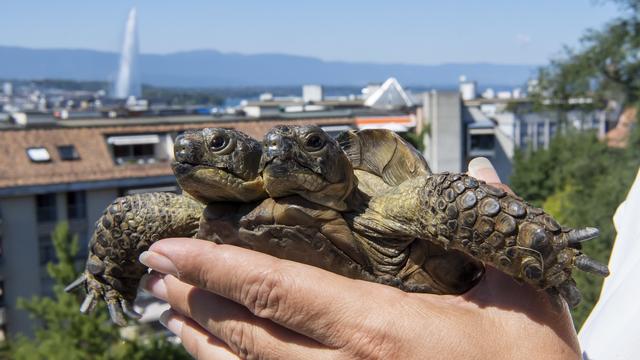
(409,32)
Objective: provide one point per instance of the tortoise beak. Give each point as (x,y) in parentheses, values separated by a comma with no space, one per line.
(184,149)
(275,146)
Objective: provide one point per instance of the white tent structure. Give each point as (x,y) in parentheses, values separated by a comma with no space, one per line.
(612,330)
(389,96)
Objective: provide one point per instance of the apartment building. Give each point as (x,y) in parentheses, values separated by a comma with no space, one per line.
(53,170)
(459,129)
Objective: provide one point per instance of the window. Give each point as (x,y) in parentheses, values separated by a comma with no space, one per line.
(68,152)
(77,205)
(482,142)
(133,153)
(140,148)
(552,129)
(47,251)
(38,154)
(46,207)
(542,136)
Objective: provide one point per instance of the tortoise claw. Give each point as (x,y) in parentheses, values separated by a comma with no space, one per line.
(576,236)
(587,264)
(128,310)
(76,283)
(98,288)
(116,314)
(569,291)
(89,303)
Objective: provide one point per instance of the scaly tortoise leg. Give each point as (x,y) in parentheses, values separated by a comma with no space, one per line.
(127,228)
(459,212)
(506,232)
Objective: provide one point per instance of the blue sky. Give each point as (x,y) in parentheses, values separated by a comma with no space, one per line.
(420,32)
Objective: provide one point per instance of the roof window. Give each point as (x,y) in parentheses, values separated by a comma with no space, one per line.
(38,154)
(68,152)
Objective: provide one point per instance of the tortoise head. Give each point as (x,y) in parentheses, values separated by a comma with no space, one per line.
(218,165)
(306,161)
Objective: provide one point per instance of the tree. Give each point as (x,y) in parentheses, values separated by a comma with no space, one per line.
(62,332)
(580,180)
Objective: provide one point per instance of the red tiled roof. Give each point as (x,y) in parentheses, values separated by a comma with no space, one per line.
(96,162)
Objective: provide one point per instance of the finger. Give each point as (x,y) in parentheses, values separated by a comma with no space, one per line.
(481,168)
(308,300)
(244,333)
(197,341)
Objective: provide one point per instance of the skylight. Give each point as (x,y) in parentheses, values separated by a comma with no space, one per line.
(68,152)
(38,154)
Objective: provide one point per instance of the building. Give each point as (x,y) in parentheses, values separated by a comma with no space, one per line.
(459,130)
(55,169)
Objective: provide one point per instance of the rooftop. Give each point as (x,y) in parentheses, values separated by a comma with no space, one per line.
(96,163)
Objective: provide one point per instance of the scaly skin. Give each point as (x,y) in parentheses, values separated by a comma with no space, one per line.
(454,212)
(290,228)
(381,160)
(212,165)
(127,228)
(305,161)
(461,213)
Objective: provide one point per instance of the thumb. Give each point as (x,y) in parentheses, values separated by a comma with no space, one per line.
(481,168)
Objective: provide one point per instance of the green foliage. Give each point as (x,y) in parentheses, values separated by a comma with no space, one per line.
(415,139)
(605,67)
(178,96)
(579,179)
(581,182)
(62,332)
(71,84)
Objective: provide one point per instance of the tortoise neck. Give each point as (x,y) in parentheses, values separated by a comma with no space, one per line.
(357,200)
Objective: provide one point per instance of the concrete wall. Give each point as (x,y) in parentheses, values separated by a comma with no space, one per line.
(21,269)
(446,142)
(21,263)
(503,158)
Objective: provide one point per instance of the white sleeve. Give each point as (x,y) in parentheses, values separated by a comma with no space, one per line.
(612,330)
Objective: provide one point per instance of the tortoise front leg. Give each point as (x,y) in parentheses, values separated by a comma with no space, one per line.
(459,212)
(127,228)
(504,231)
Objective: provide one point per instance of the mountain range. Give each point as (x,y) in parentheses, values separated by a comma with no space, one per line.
(207,68)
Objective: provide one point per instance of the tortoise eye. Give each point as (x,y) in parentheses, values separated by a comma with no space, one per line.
(314,142)
(218,142)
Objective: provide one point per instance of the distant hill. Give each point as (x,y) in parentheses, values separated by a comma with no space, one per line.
(203,68)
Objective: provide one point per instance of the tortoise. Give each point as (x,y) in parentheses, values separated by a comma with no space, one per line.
(305,161)
(212,165)
(220,166)
(291,224)
(453,211)
(310,229)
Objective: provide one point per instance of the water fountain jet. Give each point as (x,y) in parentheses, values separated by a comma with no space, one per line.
(127,82)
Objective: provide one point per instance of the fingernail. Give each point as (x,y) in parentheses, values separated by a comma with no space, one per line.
(482,169)
(154,285)
(159,263)
(172,321)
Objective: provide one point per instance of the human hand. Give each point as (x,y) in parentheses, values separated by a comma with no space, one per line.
(229,303)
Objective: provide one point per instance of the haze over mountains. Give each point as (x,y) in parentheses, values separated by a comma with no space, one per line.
(205,68)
